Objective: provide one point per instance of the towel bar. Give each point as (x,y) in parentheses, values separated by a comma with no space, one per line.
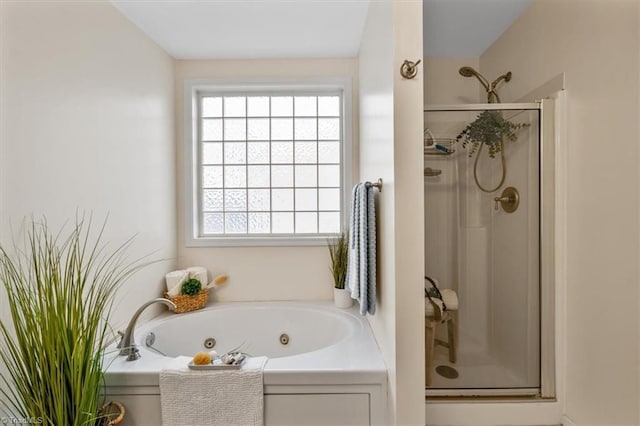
(378,184)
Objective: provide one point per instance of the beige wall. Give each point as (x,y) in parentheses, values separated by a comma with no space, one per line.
(259,273)
(409,215)
(377,161)
(87,124)
(391,148)
(595,42)
(443,85)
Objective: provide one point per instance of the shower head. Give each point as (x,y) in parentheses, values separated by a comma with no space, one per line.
(470,72)
(467,72)
(492,95)
(506,77)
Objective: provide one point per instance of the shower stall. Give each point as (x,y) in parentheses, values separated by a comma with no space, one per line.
(483,191)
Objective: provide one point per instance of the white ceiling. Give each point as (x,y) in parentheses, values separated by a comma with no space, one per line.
(244,29)
(466,27)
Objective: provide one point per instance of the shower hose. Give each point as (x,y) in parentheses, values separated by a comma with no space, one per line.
(504,169)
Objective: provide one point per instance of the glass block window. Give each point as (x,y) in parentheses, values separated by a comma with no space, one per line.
(269,164)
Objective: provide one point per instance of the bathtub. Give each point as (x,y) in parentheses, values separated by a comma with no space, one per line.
(324,366)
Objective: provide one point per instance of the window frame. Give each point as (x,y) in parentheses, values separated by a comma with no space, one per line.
(193,89)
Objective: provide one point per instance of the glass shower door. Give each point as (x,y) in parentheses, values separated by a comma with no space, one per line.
(482,192)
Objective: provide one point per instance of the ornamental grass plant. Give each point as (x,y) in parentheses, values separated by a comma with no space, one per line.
(339,253)
(60,290)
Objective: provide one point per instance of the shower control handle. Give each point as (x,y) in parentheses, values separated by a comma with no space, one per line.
(509,200)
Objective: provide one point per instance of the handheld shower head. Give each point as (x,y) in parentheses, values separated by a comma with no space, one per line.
(467,72)
(490,88)
(470,72)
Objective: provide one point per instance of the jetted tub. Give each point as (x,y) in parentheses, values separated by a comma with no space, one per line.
(324,365)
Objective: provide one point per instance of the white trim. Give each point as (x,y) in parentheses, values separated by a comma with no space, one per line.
(566,421)
(483,107)
(527,394)
(561,221)
(289,240)
(547,245)
(255,85)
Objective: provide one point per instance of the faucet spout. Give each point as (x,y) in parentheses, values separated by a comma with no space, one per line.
(127,344)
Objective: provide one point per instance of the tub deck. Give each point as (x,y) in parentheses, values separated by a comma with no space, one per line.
(352,368)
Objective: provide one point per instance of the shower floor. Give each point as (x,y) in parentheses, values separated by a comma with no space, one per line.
(476,371)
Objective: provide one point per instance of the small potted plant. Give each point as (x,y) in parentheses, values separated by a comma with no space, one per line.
(339,253)
(490,128)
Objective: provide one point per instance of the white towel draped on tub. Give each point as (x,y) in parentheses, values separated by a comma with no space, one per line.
(213,397)
(361,270)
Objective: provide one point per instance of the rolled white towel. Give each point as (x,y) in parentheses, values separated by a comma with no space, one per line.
(450,299)
(174,280)
(199,273)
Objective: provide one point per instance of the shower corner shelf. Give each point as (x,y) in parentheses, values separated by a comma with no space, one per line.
(439,146)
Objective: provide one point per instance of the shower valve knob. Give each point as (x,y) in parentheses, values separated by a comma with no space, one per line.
(497,201)
(509,200)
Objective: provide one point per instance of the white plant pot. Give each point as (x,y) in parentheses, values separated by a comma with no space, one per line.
(342,298)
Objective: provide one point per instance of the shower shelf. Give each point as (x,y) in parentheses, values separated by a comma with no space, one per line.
(431,146)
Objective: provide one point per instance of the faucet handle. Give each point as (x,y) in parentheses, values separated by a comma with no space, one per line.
(134,353)
(121,334)
(509,200)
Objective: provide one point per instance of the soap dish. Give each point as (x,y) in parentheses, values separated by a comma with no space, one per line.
(215,365)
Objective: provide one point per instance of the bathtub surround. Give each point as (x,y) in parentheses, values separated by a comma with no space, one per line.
(87,125)
(330,370)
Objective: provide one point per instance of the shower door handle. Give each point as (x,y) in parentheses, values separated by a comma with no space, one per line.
(509,200)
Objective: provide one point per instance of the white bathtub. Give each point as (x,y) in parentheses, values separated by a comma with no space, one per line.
(331,365)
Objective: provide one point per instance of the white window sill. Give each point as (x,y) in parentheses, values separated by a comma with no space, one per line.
(271,241)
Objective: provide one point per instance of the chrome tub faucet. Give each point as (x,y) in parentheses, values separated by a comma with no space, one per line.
(127,344)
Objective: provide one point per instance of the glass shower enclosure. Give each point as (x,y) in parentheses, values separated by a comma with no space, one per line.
(482,224)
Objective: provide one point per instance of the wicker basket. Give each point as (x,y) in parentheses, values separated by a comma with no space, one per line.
(111,414)
(186,303)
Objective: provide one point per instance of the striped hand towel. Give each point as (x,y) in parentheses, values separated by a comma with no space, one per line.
(361,271)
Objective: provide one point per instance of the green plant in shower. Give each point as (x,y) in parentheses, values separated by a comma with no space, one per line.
(60,290)
(491,129)
(339,253)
